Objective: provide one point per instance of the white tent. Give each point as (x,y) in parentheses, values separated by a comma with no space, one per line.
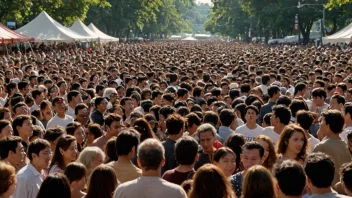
(342,36)
(45,28)
(101,35)
(82,29)
(189,39)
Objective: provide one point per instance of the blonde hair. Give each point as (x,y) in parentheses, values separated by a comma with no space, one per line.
(7,177)
(89,154)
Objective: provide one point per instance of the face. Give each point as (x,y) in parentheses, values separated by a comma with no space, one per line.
(70,155)
(323,127)
(26,129)
(165,102)
(115,128)
(251,115)
(296,142)
(20,154)
(6,132)
(251,158)
(157,100)
(207,141)
(334,104)
(82,116)
(266,149)
(318,100)
(7,116)
(22,110)
(98,161)
(60,107)
(78,99)
(79,135)
(42,160)
(47,112)
(227,164)
(129,105)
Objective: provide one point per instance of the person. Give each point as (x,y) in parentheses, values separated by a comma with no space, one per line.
(110,151)
(235,143)
(204,180)
(73,98)
(38,97)
(305,120)
(103,182)
(270,157)
(186,153)
(175,126)
(113,126)
(65,153)
(101,105)
(348,122)
(207,136)
(8,180)
(320,170)
(346,178)
(227,119)
(225,159)
(30,177)
(274,94)
(82,114)
(280,118)
(76,174)
(252,154)
(76,130)
(60,119)
(331,125)
(53,135)
(337,102)
(5,128)
(12,151)
(126,146)
(91,157)
(143,127)
(318,102)
(150,158)
(94,131)
(292,144)
(251,129)
(287,173)
(56,186)
(258,182)
(23,127)
(46,112)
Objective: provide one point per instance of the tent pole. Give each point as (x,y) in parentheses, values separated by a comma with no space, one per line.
(30,46)
(7,52)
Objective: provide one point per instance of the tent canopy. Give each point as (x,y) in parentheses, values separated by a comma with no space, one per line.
(82,29)
(342,36)
(45,28)
(189,39)
(101,35)
(9,36)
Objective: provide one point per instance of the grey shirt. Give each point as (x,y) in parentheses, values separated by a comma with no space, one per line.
(328,195)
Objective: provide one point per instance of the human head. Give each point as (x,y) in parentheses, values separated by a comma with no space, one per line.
(207,136)
(319,96)
(12,150)
(293,137)
(225,159)
(65,151)
(91,157)
(74,97)
(331,121)
(150,155)
(252,154)
(39,153)
(274,92)
(102,183)
(82,113)
(227,117)
(53,135)
(258,182)
(304,119)
(76,173)
(56,186)
(5,128)
(22,126)
(281,115)
(8,179)
(318,164)
(251,114)
(186,150)
(76,129)
(270,157)
(337,102)
(346,177)
(127,142)
(113,124)
(175,125)
(297,105)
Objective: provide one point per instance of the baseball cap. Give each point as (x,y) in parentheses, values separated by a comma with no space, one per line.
(58,99)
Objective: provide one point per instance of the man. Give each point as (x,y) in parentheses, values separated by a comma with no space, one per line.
(186,152)
(62,89)
(252,154)
(23,87)
(126,147)
(193,122)
(73,98)
(30,177)
(331,124)
(320,169)
(280,118)
(287,173)
(60,119)
(82,114)
(12,151)
(113,126)
(20,109)
(23,127)
(337,102)
(127,106)
(182,94)
(265,84)
(318,103)
(227,119)
(274,93)
(348,122)
(251,129)
(38,97)
(207,136)
(97,116)
(305,120)
(175,127)
(150,159)
(300,90)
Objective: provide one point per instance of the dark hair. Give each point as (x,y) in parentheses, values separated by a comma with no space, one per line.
(95,129)
(272,90)
(55,186)
(36,93)
(267,118)
(125,141)
(174,124)
(211,118)
(75,171)
(8,144)
(53,133)
(18,121)
(319,164)
(254,145)
(3,124)
(3,110)
(63,143)
(319,92)
(36,146)
(297,105)
(186,149)
(166,110)
(72,94)
(227,117)
(110,150)
(299,87)
(283,113)
(305,119)
(102,182)
(334,119)
(193,118)
(110,118)
(265,79)
(79,107)
(254,108)
(22,85)
(340,99)
(284,100)
(346,175)
(143,127)
(221,152)
(97,101)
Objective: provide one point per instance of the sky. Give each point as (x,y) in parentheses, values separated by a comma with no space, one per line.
(203,1)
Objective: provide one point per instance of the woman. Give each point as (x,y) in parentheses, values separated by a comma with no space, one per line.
(7,180)
(76,129)
(65,153)
(76,174)
(53,91)
(143,127)
(270,157)
(235,143)
(258,182)
(210,182)
(110,151)
(55,186)
(5,128)
(91,157)
(103,182)
(292,144)
(94,131)
(225,159)
(46,112)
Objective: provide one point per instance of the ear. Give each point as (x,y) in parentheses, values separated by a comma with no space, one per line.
(196,157)
(139,162)
(61,151)
(162,162)
(241,157)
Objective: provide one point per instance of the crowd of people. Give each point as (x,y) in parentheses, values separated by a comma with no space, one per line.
(176,119)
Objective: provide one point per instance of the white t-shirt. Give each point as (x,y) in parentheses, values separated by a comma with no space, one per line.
(34,107)
(312,142)
(269,131)
(56,121)
(264,89)
(249,134)
(343,135)
(70,111)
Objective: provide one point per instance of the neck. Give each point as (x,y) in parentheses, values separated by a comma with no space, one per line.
(151,173)
(290,155)
(107,135)
(251,125)
(320,190)
(127,113)
(36,167)
(7,160)
(37,102)
(61,115)
(333,135)
(101,111)
(278,129)
(272,100)
(173,137)
(185,168)
(72,105)
(349,123)
(124,159)
(24,138)
(191,131)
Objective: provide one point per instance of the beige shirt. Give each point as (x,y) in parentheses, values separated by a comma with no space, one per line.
(125,172)
(100,142)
